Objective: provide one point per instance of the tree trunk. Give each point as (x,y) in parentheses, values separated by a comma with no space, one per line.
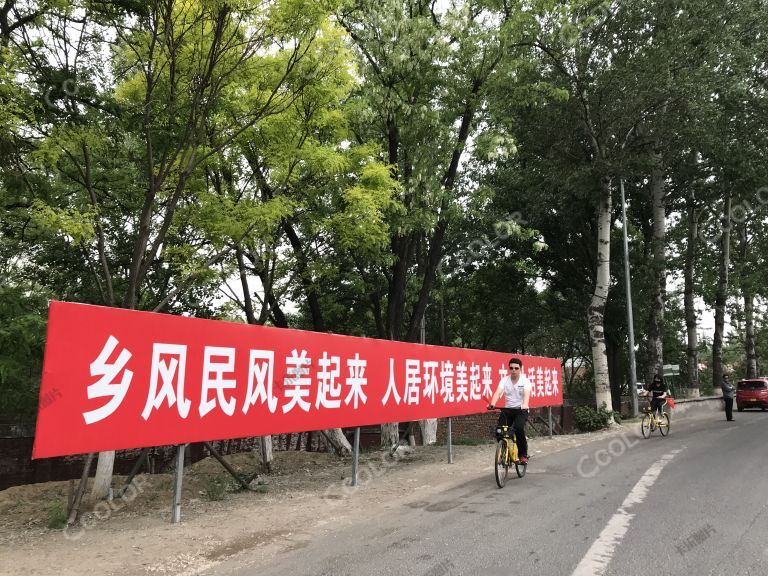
(390,434)
(749,342)
(596,312)
(311,291)
(102,482)
(396,293)
(443,331)
(722,294)
(659,267)
(266,452)
(616,373)
(338,441)
(428,431)
(692,350)
(335,436)
(749,302)
(428,426)
(250,317)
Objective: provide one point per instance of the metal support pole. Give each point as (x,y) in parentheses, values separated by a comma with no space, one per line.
(630,321)
(450,445)
(355,455)
(549,418)
(176,505)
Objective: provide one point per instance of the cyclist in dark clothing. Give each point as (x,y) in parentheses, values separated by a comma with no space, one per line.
(659,392)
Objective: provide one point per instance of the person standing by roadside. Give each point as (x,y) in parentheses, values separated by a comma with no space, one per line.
(516,389)
(729,393)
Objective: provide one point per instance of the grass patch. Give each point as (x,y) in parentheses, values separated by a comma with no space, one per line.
(470,441)
(217,488)
(57,515)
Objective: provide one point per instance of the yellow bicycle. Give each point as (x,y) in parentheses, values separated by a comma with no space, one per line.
(505,456)
(654,420)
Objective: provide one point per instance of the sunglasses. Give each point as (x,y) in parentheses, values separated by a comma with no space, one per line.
(514,367)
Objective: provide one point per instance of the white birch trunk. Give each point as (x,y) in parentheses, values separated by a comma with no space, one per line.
(102,482)
(596,312)
(428,431)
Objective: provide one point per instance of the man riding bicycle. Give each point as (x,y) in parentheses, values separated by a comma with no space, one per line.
(517,393)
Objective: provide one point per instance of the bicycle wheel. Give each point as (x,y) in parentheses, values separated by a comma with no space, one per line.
(645,425)
(519,468)
(500,463)
(664,424)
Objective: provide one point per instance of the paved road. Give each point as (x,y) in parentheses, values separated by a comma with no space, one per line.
(695,502)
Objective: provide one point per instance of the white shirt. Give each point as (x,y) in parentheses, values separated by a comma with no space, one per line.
(513,393)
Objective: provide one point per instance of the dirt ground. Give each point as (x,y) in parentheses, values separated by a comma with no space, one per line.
(305,491)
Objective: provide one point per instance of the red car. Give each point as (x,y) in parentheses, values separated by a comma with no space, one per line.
(752,393)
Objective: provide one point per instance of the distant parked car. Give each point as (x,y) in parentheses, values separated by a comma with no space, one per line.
(752,393)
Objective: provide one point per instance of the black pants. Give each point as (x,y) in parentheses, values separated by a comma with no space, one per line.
(657,404)
(728,408)
(518,417)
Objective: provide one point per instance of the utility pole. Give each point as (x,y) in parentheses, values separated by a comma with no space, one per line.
(628,282)
(630,321)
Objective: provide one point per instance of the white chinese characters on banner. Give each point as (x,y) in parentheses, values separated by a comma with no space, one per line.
(106,385)
(446,382)
(555,389)
(412,381)
(169,364)
(461,382)
(213,379)
(297,382)
(356,381)
(425,382)
(430,380)
(474,382)
(328,386)
(391,385)
(487,382)
(532,379)
(539,381)
(260,367)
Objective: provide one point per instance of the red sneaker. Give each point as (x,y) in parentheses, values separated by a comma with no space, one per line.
(524,460)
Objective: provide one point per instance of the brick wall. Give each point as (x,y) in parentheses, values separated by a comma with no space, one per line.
(474,427)
(477,427)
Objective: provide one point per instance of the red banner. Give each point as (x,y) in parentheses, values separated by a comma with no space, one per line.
(115,378)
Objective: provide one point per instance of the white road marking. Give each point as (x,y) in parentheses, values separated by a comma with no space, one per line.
(599,555)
